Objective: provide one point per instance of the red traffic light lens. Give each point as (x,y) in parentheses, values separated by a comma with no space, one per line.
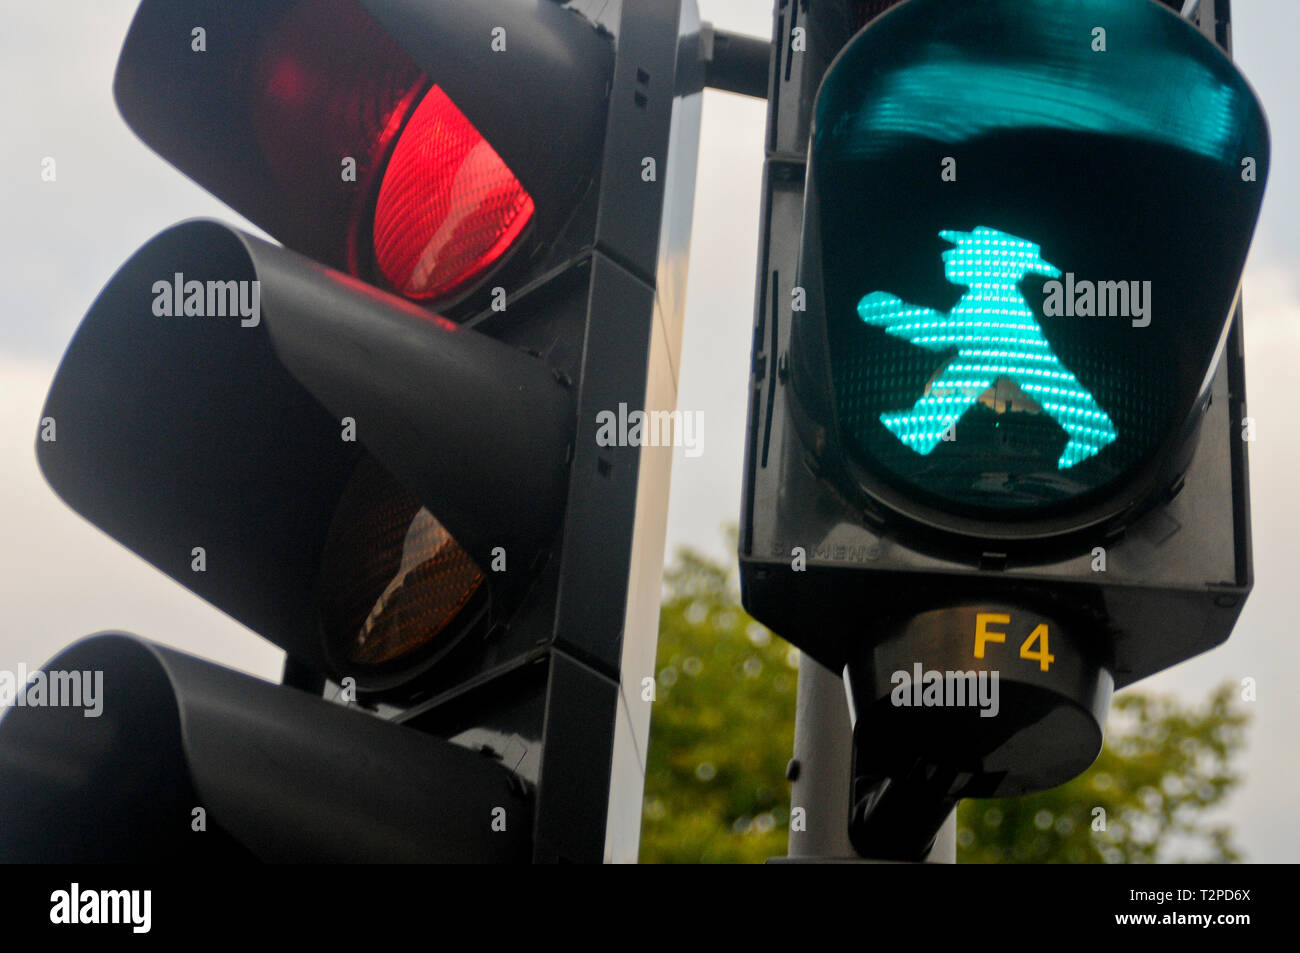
(448,207)
(393,579)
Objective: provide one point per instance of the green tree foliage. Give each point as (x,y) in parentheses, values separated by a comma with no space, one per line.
(723,727)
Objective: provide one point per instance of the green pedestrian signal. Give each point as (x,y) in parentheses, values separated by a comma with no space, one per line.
(1020,255)
(997,390)
(996,338)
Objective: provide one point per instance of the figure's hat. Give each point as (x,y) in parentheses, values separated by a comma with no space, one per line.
(999,248)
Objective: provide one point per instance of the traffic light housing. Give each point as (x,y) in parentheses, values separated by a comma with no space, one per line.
(996,416)
(354,131)
(375,445)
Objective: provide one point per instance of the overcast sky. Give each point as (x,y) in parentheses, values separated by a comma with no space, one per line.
(60,578)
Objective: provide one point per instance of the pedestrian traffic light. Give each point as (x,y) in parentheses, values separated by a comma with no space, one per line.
(996,423)
(375,444)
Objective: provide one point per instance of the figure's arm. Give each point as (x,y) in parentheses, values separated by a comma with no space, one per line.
(907,321)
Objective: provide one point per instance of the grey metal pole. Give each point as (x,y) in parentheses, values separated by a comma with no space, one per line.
(819,771)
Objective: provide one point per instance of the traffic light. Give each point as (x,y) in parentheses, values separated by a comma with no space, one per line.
(996,463)
(375,444)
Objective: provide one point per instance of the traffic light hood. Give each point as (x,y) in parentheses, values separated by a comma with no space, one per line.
(955,72)
(152,775)
(187,422)
(289,111)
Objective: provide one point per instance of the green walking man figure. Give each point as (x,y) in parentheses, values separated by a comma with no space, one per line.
(995,335)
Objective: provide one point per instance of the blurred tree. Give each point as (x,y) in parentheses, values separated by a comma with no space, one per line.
(722,731)
(722,728)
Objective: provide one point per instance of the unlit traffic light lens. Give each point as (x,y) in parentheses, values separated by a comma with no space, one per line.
(393,579)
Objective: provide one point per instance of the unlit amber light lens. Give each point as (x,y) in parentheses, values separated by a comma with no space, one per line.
(448,208)
(394,578)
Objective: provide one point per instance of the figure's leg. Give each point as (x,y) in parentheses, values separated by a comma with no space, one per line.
(1070,405)
(946,398)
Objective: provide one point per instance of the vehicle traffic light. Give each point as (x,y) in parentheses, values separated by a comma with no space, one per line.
(996,463)
(376,444)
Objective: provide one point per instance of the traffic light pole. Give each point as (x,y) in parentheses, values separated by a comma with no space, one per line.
(823,735)
(819,775)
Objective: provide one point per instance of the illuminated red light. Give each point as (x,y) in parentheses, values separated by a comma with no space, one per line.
(448,208)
